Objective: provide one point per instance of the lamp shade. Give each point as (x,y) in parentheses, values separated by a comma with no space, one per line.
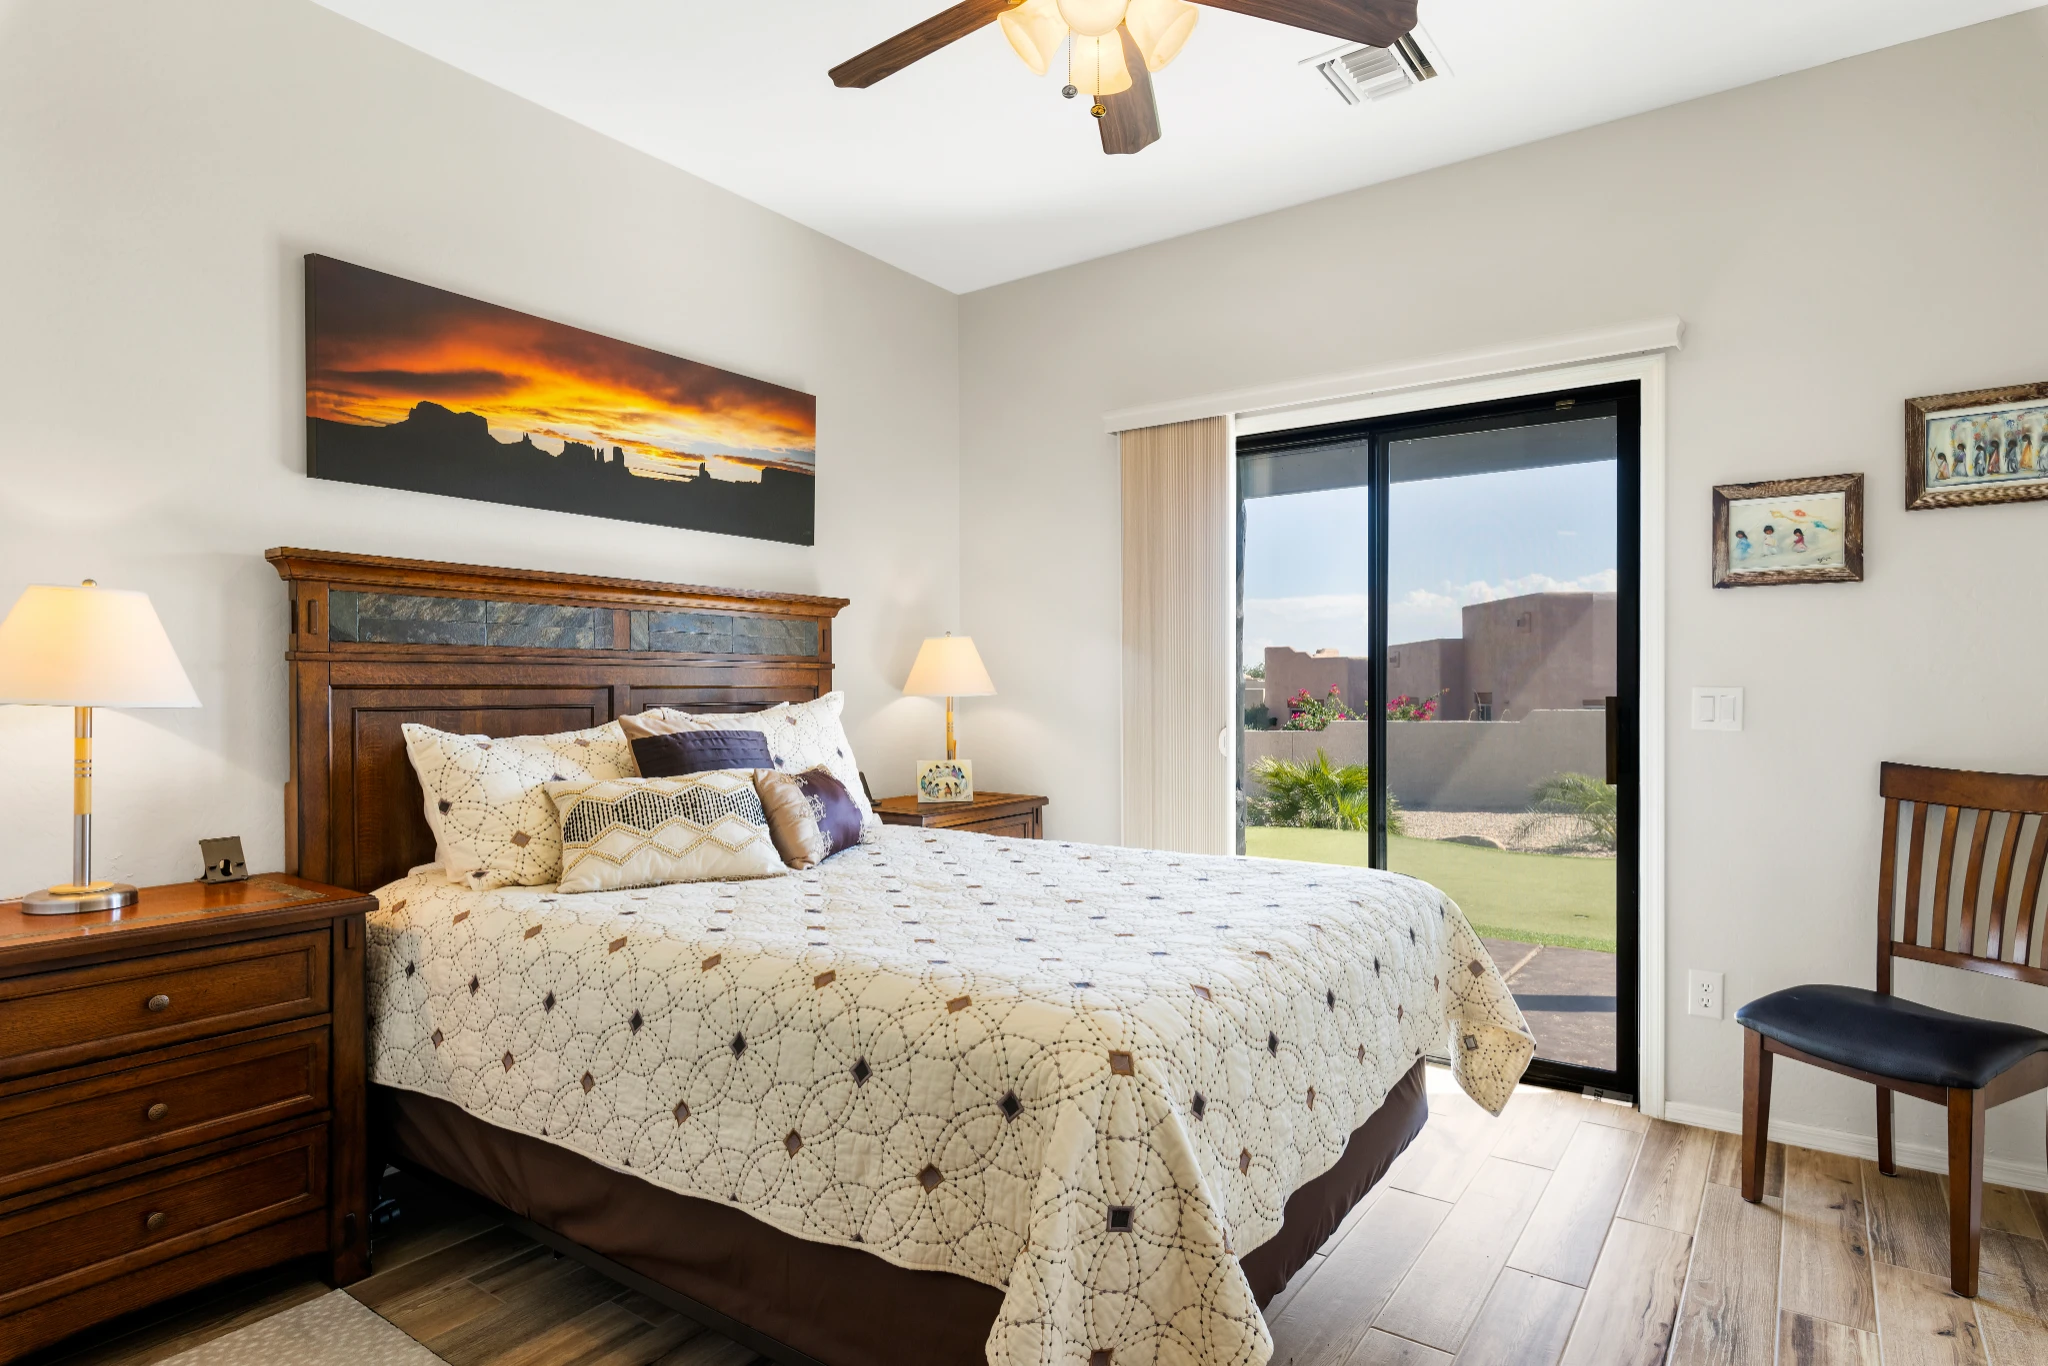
(89,647)
(948,666)
(1092,18)
(1036,30)
(1160,28)
(1098,66)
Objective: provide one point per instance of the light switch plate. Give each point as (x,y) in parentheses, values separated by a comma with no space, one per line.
(1717,709)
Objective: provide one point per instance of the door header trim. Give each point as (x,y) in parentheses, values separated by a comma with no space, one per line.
(1283,401)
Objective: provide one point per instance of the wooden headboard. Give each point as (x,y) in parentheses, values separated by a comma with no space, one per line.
(378,642)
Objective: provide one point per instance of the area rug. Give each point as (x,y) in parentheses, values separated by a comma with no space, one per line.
(333,1330)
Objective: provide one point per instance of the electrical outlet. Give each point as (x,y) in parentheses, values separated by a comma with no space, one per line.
(1703,993)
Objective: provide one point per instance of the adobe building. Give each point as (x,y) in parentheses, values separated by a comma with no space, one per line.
(1537,652)
(1290,672)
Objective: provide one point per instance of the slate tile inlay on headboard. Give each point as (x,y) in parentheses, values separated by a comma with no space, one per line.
(413,619)
(724,633)
(417,619)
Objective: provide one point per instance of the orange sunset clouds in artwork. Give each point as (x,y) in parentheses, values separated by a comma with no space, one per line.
(378,346)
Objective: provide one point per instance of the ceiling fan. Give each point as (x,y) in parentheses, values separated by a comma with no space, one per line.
(1115,45)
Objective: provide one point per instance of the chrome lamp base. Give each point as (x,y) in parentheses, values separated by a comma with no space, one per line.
(97,896)
(81,895)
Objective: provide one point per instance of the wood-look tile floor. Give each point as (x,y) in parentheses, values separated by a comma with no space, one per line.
(1571,1231)
(1567,1231)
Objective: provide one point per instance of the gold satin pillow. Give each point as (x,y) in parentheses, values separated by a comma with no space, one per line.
(643,832)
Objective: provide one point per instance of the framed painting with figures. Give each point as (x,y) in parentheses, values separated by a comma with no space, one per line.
(1789,531)
(1976,447)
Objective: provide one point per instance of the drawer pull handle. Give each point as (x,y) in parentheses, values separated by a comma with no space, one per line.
(156,1112)
(155,1222)
(158,1002)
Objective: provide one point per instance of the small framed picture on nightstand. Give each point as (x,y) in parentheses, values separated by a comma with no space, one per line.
(945,780)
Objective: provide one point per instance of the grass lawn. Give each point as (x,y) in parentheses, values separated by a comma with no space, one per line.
(1530,898)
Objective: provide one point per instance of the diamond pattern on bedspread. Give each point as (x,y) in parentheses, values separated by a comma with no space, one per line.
(1091,1076)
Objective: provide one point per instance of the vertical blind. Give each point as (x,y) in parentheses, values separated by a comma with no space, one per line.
(1179,637)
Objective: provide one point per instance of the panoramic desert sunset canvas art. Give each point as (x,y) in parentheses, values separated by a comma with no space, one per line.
(413,387)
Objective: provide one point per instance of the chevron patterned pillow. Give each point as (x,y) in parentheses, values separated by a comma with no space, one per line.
(642,832)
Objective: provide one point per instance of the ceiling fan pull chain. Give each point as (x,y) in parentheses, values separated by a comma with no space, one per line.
(1069,90)
(1098,109)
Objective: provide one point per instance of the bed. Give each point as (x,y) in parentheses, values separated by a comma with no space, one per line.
(946,1097)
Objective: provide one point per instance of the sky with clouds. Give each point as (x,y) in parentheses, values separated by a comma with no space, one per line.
(1453,542)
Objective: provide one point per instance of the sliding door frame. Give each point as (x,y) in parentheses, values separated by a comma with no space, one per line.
(1377,433)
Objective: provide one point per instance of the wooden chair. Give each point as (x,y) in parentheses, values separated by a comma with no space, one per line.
(1959,1062)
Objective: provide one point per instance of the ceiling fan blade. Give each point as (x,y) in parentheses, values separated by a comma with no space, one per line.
(1376,23)
(917,42)
(1132,123)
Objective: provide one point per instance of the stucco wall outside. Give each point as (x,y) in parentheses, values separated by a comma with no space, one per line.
(1455,765)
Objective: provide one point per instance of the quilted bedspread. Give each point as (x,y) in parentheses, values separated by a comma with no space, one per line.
(1090,1076)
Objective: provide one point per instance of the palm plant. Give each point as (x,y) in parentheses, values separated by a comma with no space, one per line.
(1316,794)
(1587,803)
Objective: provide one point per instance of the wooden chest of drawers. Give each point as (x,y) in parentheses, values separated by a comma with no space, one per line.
(181,1098)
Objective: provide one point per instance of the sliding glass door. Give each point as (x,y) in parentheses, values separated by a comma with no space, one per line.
(1438,662)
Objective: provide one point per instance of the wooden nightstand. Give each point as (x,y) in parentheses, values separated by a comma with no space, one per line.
(181,1098)
(990,813)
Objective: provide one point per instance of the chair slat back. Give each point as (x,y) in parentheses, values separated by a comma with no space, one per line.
(1914,861)
(2030,894)
(1956,921)
(2001,892)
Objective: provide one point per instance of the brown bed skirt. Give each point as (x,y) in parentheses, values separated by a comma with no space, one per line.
(836,1304)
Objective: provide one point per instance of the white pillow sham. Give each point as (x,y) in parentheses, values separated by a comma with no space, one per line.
(494,825)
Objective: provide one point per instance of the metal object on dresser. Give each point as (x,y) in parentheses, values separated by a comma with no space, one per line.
(223,860)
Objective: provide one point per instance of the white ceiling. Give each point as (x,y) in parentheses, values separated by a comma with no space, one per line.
(968,170)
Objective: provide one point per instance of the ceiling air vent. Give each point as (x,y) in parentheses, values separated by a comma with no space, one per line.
(1373,73)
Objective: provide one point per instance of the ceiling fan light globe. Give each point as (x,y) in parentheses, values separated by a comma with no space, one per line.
(1099,65)
(1161,28)
(1035,30)
(1092,18)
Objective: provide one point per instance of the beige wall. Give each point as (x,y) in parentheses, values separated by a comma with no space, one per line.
(165,167)
(1806,230)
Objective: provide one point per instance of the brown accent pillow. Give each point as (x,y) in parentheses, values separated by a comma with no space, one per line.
(811,816)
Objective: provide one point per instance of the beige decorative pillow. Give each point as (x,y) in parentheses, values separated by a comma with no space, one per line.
(801,736)
(641,832)
(491,816)
(670,721)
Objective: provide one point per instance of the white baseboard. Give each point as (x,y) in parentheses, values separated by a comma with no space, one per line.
(1918,1156)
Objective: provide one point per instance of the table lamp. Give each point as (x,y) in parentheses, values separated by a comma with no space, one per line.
(82,648)
(947,666)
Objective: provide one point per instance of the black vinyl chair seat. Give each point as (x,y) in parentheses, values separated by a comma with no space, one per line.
(1891,1037)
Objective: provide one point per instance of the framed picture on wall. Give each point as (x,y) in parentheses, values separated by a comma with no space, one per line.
(412,387)
(1789,531)
(1980,446)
